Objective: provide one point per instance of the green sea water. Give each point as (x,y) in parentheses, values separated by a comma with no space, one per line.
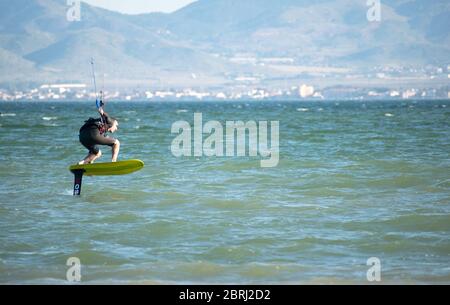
(355,180)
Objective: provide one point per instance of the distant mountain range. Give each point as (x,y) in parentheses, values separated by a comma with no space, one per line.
(210,42)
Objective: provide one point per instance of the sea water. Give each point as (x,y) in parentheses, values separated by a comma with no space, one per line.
(355,180)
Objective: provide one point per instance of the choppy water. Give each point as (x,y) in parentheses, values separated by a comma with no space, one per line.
(355,180)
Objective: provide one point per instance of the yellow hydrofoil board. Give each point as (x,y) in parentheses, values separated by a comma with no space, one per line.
(109,169)
(103,169)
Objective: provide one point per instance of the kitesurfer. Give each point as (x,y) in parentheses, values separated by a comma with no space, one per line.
(93,133)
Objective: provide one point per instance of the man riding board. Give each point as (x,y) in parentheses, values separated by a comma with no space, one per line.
(93,133)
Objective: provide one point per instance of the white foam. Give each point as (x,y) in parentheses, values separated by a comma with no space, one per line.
(47,118)
(7,114)
(67,193)
(182,111)
(389,115)
(302,109)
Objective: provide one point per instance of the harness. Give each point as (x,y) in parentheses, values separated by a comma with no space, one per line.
(99,123)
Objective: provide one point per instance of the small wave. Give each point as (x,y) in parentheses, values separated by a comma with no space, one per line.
(302,109)
(389,115)
(443,184)
(47,118)
(182,111)
(67,192)
(7,114)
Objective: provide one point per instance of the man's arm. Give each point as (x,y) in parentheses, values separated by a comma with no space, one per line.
(102,112)
(105,116)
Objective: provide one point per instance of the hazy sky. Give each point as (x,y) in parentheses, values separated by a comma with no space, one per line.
(140,6)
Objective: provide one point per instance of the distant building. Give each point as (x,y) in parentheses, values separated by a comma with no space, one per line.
(318,95)
(258,94)
(221,95)
(306,91)
(409,93)
(64,86)
(394,94)
(278,60)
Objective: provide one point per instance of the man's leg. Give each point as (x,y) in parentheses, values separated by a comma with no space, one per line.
(91,158)
(96,156)
(115,151)
(86,159)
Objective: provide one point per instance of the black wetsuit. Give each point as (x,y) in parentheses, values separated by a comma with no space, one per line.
(93,133)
